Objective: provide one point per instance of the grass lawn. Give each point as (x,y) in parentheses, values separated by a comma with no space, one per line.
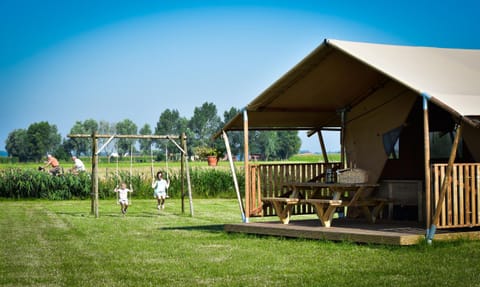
(58,243)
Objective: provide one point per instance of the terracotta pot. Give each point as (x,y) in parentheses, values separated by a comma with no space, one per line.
(212,160)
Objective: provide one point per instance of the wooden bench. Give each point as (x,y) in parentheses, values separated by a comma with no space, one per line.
(282,206)
(326,198)
(325,208)
(371,207)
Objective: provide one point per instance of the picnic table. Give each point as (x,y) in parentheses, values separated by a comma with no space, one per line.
(325,203)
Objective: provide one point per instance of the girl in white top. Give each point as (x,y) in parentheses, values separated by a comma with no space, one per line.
(160,186)
(123,196)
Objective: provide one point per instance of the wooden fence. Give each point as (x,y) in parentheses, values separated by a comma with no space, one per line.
(461,207)
(269,180)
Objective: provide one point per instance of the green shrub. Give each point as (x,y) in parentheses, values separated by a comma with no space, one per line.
(214,182)
(5,160)
(30,183)
(27,183)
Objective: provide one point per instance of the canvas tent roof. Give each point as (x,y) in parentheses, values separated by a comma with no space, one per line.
(339,74)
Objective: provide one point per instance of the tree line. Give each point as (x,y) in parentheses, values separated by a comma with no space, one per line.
(40,138)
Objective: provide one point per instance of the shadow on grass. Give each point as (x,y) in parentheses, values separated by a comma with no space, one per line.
(113,214)
(214,228)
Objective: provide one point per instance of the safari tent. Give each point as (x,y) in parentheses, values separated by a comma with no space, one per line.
(398,110)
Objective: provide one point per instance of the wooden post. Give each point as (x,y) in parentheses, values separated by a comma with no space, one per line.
(448,176)
(182,171)
(247,170)
(189,184)
(94,175)
(322,145)
(104,136)
(426,143)
(92,192)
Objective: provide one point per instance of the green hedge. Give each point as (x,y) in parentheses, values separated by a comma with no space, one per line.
(26,183)
(4,159)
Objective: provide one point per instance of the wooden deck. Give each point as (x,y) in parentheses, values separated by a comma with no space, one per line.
(390,233)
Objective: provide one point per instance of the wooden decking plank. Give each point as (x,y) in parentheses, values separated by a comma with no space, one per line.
(389,234)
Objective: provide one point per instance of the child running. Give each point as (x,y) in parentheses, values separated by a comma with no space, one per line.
(160,186)
(123,196)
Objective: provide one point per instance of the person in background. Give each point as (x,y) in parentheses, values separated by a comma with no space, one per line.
(53,162)
(123,196)
(78,165)
(160,186)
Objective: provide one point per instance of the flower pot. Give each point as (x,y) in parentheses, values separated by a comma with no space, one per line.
(212,160)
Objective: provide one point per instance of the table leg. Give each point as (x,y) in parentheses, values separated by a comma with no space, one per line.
(372,215)
(325,215)
(377,209)
(283,211)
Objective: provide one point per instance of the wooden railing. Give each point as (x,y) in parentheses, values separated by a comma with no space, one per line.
(461,207)
(269,179)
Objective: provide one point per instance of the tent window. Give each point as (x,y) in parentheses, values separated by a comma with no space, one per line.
(441,144)
(391,143)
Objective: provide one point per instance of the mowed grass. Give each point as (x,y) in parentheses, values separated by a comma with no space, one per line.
(58,243)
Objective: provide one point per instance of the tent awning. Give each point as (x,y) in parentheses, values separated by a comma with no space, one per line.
(340,74)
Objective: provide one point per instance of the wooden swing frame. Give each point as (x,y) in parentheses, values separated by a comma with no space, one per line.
(95,151)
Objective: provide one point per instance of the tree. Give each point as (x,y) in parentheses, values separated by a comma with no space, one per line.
(145,145)
(268,141)
(64,150)
(106,128)
(81,146)
(235,138)
(17,145)
(274,144)
(34,143)
(254,143)
(126,127)
(90,125)
(288,144)
(42,138)
(203,124)
(170,123)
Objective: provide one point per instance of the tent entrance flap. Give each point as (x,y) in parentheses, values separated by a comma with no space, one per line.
(373,120)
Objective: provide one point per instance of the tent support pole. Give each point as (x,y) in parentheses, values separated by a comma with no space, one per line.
(246,165)
(445,184)
(322,145)
(426,145)
(234,175)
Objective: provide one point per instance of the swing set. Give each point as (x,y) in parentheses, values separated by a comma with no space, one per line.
(96,151)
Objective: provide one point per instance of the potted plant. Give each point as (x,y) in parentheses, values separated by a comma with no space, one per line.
(207,153)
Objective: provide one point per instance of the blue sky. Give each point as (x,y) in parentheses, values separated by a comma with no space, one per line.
(68,61)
